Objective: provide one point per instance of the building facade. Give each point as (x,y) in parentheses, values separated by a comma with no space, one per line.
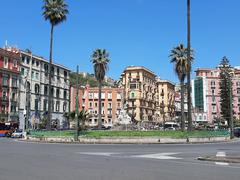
(88,100)
(206,94)
(166,100)
(33,104)
(140,93)
(9,81)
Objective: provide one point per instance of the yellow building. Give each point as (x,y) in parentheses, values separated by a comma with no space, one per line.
(140,90)
(166,100)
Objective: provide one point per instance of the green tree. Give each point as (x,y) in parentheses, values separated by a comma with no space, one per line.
(226,91)
(55,12)
(178,56)
(100,60)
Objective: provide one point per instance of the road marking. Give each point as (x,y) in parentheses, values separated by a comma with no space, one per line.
(222,163)
(98,153)
(158,156)
(221,154)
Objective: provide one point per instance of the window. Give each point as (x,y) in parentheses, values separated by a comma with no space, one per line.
(90,104)
(37,76)
(52,71)
(57,106)
(109,112)
(32,75)
(45,90)
(238,90)
(33,62)
(23,59)
(118,95)
(36,105)
(64,106)
(96,104)
(13,109)
(45,102)
(14,81)
(133,86)
(37,88)
(37,63)
(58,93)
(22,71)
(46,69)
(109,105)
(5,80)
(5,62)
(52,91)
(14,63)
(13,96)
(65,76)
(102,104)
(109,95)
(28,60)
(65,94)
(90,95)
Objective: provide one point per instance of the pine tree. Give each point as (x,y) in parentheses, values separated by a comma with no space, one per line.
(226,89)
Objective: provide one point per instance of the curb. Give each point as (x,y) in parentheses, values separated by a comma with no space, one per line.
(124,140)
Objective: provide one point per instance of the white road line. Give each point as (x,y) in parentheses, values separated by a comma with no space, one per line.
(221,154)
(158,156)
(98,153)
(222,163)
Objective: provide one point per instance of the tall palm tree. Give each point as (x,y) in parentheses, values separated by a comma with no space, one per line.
(189,70)
(55,12)
(178,56)
(100,60)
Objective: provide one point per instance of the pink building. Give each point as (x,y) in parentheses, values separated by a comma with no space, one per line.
(88,99)
(206,94)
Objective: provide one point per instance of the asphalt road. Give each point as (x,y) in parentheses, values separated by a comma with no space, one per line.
(36,161)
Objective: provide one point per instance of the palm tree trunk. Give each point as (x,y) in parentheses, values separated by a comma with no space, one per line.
(99,105)
(50,82)
(189,72)
(182,106)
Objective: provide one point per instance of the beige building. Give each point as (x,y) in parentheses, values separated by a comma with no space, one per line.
(166,100)
(140,90)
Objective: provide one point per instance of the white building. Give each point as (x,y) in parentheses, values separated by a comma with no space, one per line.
(34,90)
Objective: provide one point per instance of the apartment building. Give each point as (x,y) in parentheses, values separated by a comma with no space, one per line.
(140,92)
(88,99)
(9,80)
(166,100)
(34,76)
(206,94)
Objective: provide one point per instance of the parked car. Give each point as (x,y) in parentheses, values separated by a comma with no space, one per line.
(236,131)
(17,134)
(171,126)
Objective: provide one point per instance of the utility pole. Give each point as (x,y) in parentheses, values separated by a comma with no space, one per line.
(77,106)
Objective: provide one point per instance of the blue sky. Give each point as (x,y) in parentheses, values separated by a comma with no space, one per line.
(135,32)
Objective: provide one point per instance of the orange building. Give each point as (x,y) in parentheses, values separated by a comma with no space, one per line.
(88,100)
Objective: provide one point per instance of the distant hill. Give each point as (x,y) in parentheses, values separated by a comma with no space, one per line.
(85,78)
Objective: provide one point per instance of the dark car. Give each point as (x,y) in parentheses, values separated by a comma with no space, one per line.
(236,131)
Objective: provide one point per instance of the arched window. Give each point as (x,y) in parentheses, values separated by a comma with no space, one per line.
(37,88)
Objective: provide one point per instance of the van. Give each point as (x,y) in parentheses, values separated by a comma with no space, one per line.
(171,126)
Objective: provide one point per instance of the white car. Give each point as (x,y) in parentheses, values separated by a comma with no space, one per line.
(17,134)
